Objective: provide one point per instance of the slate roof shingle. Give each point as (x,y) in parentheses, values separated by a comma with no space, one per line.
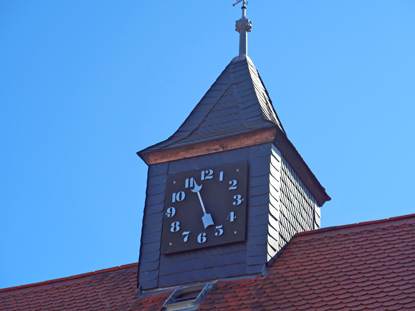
(366,266)
(236,103)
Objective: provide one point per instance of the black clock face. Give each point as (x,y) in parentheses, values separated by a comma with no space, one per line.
(205,207)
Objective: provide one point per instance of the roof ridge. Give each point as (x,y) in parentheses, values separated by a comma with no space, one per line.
(76,276)
(358,224)
(268,110)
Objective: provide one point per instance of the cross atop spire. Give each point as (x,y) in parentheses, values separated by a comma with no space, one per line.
(243,26)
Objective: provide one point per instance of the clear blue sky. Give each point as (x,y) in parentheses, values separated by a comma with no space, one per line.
(86,84)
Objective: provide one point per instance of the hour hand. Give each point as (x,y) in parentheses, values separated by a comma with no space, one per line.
(197,188)
(206,218)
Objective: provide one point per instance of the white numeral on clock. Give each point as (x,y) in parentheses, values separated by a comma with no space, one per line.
(231,217)
(185,236)
(178,196)
(238,199)
(189,182)
(208,174)
(175,226)
(201,238)
(218,230)
(171,211)
(233,184)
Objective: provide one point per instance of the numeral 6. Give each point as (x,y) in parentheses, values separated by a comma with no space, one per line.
(201,238)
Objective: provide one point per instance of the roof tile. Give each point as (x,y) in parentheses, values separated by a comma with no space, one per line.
(316,271)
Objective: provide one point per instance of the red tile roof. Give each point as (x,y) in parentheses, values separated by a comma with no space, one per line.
(109,289)
(367,266)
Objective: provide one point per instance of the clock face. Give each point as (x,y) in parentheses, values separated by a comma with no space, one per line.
(205,207)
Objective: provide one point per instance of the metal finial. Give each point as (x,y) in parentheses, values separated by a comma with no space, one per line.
(244,8)
(243,26)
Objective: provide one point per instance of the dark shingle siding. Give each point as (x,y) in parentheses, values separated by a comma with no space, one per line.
(152,225)
(222,261)
(298,207)
(278,207)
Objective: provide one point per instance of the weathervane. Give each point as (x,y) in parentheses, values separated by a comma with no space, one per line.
(243,26)
(239,2)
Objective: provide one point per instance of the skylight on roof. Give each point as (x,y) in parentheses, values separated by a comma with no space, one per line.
(187,298)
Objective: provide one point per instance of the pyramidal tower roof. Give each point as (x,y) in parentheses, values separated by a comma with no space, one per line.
(235,112)
(236,103)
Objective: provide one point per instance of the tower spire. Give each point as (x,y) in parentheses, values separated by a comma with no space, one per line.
(243,26)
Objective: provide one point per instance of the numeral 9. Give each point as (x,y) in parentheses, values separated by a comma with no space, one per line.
(171,211)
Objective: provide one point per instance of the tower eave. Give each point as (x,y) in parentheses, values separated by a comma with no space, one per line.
(272,134)
(253,138)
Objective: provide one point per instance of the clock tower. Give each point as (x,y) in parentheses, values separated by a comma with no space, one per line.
(228,189)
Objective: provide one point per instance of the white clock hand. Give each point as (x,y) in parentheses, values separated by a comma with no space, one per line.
(206,218)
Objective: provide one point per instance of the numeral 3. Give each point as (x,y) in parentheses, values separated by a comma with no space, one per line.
(238,199)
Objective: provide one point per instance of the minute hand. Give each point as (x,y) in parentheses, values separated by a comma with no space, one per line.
(206,218)
(201,202)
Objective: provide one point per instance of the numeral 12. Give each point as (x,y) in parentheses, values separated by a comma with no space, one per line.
(208,174)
